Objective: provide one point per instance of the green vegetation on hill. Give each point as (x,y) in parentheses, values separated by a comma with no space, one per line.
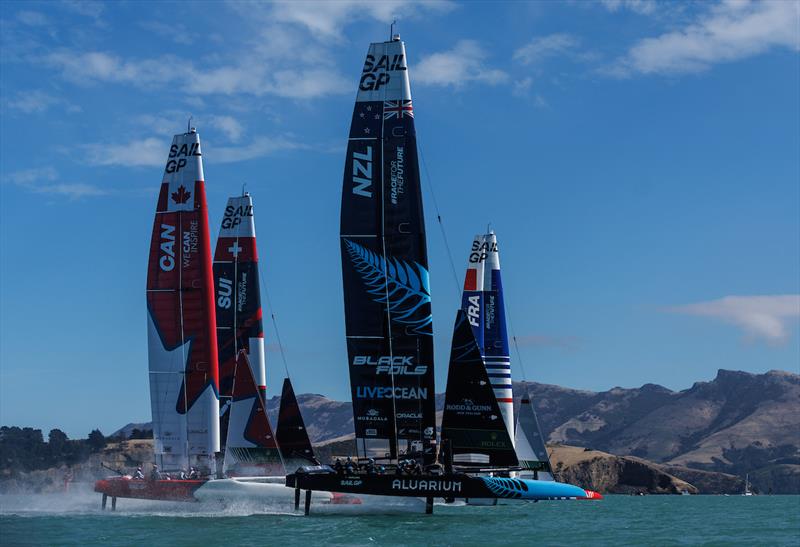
(24,449)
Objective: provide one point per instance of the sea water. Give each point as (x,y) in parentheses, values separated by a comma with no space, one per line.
(76,519)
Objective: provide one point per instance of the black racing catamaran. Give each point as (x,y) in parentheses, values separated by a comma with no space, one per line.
(389,326)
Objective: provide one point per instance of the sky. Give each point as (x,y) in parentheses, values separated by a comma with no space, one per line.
(639,161)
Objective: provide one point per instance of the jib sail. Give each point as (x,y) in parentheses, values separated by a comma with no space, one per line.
(482,301)
(291,433)
(471,420)
(385,265)
(250,448)
(530,444)
(182,338)
(238,299)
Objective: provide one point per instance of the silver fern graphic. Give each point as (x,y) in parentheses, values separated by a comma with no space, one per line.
(402,286)
(505,488)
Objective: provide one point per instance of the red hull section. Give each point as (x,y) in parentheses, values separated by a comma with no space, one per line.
(124,487)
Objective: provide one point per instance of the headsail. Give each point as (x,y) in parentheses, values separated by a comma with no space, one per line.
(530,444)
(250,449)
(291,434)
(385,265)
(238,299)
(483,303)
(182,339)
(471,421)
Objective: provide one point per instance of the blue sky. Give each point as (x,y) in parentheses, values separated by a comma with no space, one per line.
(639,161)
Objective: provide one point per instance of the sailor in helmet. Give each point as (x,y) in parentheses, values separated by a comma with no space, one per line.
(192,473)
(138,475)
(155,474)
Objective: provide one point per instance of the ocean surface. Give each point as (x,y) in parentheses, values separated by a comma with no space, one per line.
(76,519)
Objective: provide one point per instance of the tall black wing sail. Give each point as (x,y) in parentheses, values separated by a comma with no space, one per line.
(472,421)
(385,266)
(292,436)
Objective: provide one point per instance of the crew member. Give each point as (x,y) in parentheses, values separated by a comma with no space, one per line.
(138,475)
(155,474)
(338,467)
(193,473)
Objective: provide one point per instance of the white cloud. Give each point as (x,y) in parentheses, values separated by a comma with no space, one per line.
(250,77)
(758,316)
(32,18)
(176,32)
(257,148)
(726,32)
(37,101)
(543,47)
(326,19)
(42,180)
(455,67)
(228,125)
(149,152)
(87,8)
(522,88)
(642,7)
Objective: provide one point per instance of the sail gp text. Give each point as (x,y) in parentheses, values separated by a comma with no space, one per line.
(369,392)
(178,155)
(375,75)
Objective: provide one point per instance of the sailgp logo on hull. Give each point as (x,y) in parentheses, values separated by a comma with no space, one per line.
(422,485)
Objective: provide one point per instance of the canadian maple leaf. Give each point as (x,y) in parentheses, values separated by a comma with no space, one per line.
(181,196)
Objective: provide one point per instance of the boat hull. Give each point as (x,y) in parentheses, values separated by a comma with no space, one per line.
(166,490)
(452,486)
(259,490)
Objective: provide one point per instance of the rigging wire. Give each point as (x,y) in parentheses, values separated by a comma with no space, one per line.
(439,219)
(274,323)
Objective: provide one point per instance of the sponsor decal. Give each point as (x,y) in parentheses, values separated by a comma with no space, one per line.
(234,215)
(393,365)
(490,309)
(376,74)
(351,482)
(492,442)
(468,407)
(190,241)
(408,416)
(224,290)
(429,485)
(241,296)
(396,172)
(167,260)
(369,392)
(372,415)
(371,432)
(474,310)
(362,173)
(428,432)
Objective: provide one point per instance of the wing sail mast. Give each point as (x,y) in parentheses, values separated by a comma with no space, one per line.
(483,303)
(385,265)
(182,339)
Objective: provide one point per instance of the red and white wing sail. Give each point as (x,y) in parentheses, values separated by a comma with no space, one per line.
(250,449)
(238,299)
(182,338)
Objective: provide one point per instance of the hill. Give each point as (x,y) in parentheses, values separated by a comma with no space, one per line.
(735,424)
